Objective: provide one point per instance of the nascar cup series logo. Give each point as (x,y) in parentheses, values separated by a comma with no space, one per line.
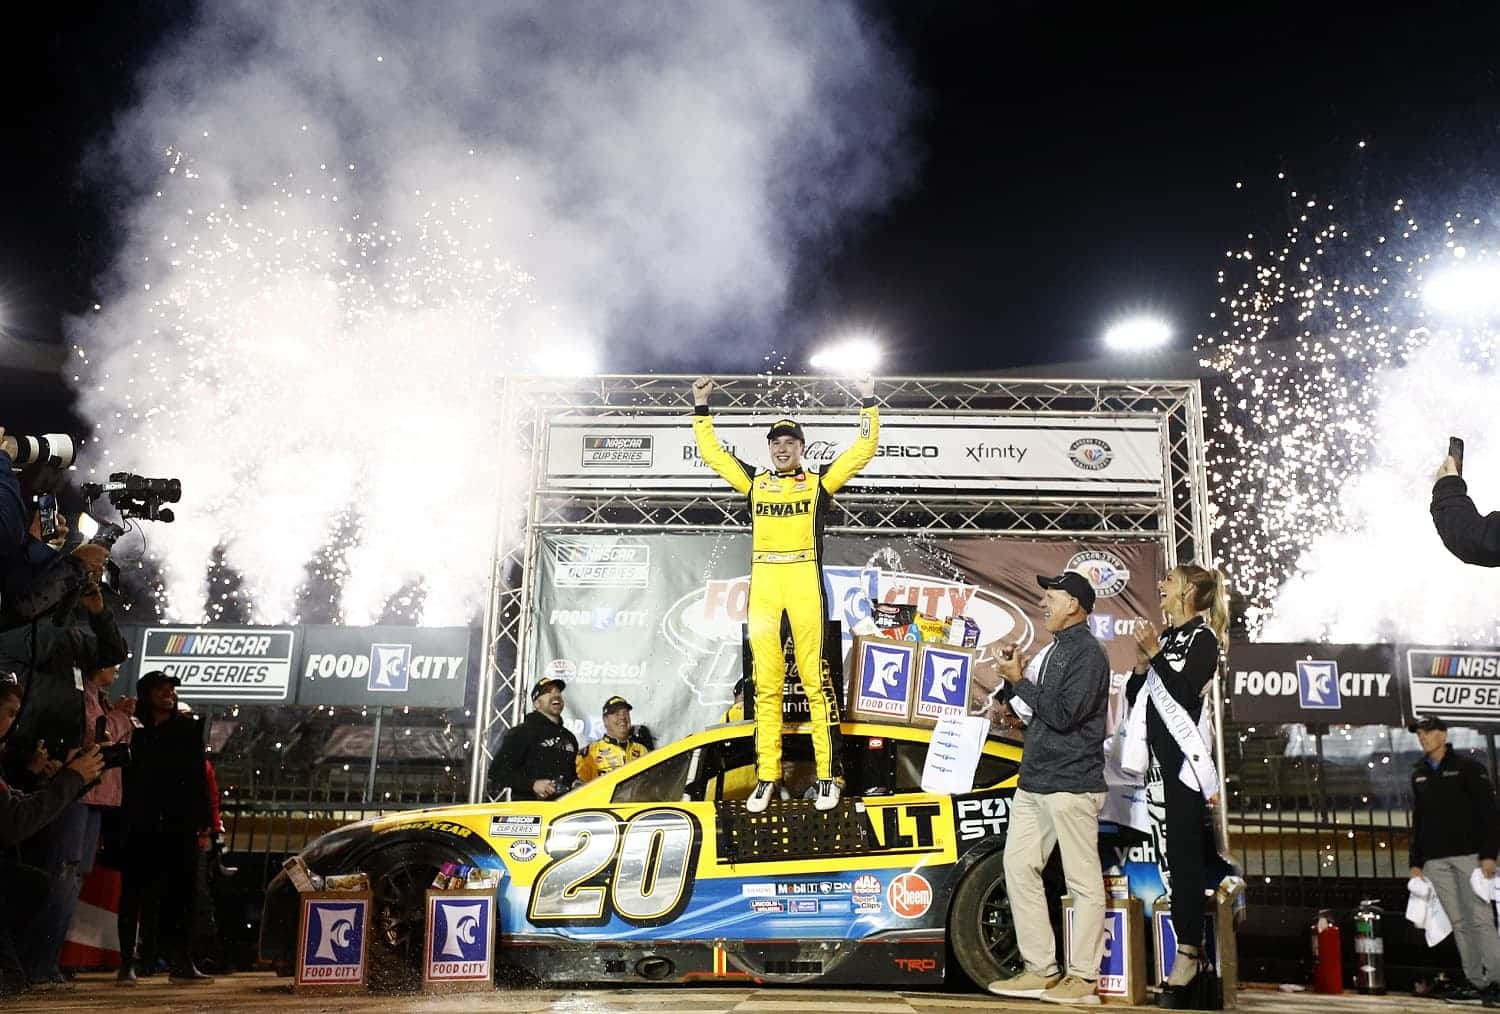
(1090,453)
(332,945)
(1105,571)
(459,932)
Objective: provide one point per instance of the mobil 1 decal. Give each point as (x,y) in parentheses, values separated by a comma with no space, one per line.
(1334,684)
(657,619)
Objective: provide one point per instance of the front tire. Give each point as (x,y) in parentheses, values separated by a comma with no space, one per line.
(980,927)
(399,877)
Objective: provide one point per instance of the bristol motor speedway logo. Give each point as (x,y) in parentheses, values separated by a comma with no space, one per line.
(1105,571)
(332,945)
(458,937)
(1090,453)
(386,668)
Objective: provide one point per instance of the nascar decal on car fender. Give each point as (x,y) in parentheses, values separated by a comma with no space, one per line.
(599,867)
(505,826)
(523,851)
(910,895)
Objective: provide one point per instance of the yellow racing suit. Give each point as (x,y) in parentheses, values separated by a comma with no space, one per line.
(786,576)
(604,755)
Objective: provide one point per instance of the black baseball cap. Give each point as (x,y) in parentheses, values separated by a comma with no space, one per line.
(785,428)
(1430,723)
(154,677)
(1074,583)
(615,704)
(545,682)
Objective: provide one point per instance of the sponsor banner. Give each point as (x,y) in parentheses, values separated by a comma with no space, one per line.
(419,667)
(240,664)
(666,635)
(1336,684)
(1459,685)
(999,452)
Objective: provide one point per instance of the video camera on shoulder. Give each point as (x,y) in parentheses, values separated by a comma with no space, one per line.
(136,497)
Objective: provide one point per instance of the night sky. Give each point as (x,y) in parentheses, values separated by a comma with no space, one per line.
(1076,163)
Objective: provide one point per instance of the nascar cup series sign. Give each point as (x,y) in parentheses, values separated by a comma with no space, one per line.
(244,664)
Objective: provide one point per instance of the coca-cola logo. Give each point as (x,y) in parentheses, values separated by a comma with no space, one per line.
(910,895)
(827,450)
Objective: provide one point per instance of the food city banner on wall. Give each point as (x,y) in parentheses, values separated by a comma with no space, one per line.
(1333,684)
(1120,454)
(656,618)
(420,667)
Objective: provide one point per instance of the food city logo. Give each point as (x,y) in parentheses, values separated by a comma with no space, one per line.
(459,938)
(599,618)
(944,689)
(1317,683)
(1090,453)
(1106,627)
(601,563)
(909,896)
(332,945)
(885,677)
(385,668)
(703,620)
(607,450)
(222,663)
(1106,572)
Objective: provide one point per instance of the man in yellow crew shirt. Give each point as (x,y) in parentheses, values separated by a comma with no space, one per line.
(616,748)
(788,505)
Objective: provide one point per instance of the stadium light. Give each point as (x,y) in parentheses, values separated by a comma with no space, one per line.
(1138,334)
(859,354)
(1471,290)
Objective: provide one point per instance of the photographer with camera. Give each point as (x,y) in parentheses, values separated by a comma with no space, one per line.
(1471,538)
(34,577)
(166,807)
(23,889)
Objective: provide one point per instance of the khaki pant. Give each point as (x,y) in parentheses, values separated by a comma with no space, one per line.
(1473,925)
(1070,821)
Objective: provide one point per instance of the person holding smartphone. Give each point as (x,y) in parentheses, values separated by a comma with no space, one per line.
(1468,536)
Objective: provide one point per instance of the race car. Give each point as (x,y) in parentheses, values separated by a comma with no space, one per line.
(657,872)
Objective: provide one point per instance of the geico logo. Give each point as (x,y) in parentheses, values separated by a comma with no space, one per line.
(1272,683)
(783,510)
(906,451)
(423,667)
(589,672)
(600,618)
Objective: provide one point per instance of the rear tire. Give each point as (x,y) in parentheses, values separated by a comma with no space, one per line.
(980,927)
(399,877)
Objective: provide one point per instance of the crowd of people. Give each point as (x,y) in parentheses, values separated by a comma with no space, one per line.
(81,773)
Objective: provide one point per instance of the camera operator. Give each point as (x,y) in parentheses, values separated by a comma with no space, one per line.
(166,806)
(1471,538)
(23,888)
(538,759)
(34,577)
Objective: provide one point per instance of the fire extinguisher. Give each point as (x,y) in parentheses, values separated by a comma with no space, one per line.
(1369,948)
(1328,955)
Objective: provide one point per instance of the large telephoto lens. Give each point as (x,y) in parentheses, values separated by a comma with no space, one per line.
(55,449)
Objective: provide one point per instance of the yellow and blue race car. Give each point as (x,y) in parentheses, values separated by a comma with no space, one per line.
(656,871)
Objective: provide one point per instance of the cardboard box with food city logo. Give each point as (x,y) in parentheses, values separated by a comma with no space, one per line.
(1335,684)
(420,667)
(332,941)
(239,664)
(1122,967)
(460,940)
(883,680)
(1459,685)
(944,675)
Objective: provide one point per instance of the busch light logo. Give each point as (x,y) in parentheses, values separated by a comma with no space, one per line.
(459,934)
(333,942)
(390,666)
(885,678)
(945,682)
(1318,685)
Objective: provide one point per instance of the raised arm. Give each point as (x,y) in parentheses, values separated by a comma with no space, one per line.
(731,469)
(858,454)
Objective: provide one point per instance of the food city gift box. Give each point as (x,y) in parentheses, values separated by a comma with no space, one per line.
(941,688)
(333,942)
(460,940)
(884,680)
(1122,969)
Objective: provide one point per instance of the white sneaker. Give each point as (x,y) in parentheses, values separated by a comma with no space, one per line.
(761,797)
(828,794)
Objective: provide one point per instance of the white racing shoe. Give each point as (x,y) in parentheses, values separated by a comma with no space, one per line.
(761,797)
(828,794)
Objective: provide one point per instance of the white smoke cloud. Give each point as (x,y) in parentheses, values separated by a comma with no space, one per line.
(1384,575)
(342,223)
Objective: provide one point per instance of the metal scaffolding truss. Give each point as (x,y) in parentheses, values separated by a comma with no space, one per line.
(1176,516)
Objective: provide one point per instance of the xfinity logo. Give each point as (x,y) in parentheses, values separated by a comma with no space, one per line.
(991,452)
(1318,684)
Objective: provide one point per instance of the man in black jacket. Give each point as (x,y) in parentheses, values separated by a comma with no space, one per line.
(165,807)
(538,759)
(1454,828)
(1471,538)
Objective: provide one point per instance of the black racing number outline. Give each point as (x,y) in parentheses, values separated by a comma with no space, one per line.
(645,876)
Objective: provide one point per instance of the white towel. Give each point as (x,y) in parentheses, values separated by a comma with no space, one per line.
(1425,912)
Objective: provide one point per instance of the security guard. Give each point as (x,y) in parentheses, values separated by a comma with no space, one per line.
(788,505)
(616,749)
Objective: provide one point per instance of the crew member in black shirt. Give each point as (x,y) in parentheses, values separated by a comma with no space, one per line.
(538,759)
